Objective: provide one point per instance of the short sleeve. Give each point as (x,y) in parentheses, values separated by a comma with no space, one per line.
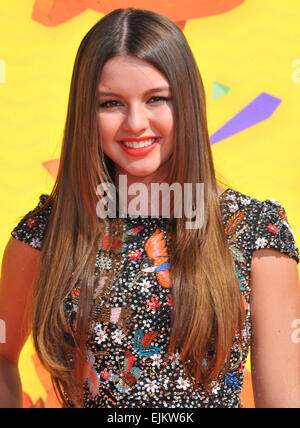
(272,230)
(31,229)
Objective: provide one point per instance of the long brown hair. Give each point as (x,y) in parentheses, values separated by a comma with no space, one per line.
(207,302)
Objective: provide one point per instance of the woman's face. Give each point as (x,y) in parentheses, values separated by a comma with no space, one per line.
(135,117)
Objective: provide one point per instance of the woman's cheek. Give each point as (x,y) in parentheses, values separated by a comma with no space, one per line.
(108,126)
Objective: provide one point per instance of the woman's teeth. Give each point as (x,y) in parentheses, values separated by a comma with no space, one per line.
(139,144)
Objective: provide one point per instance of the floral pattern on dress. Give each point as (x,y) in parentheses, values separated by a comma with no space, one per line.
(127,364)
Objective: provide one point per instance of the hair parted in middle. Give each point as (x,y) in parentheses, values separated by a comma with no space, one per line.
(207,301)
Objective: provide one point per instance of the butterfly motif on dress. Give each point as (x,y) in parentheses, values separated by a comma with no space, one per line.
(129,374)
(120,244)
(157,260)
(142,343)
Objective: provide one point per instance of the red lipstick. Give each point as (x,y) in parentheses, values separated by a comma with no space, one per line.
(138,139)
(141,151)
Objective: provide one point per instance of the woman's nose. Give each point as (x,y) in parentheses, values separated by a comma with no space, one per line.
(136,119)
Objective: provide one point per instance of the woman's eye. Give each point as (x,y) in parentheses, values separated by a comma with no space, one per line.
(114,103)
(159,99)
(109,104)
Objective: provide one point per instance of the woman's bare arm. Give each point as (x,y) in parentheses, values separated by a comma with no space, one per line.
(18,272)
(275,309)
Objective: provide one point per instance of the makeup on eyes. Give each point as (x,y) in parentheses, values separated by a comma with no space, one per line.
(113,102)
(153,92)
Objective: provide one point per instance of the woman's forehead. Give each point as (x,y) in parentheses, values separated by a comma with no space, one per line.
(129,72)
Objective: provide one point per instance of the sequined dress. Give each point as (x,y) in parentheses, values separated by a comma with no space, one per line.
(129,335)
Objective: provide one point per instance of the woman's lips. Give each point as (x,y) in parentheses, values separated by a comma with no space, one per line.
(140,151)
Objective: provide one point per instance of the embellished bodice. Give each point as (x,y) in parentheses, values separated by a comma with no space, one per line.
(126,363)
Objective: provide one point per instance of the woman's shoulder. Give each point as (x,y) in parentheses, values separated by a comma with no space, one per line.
(260,223)
(32,226)
(231,199)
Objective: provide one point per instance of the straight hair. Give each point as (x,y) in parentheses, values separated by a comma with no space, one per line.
(207,301)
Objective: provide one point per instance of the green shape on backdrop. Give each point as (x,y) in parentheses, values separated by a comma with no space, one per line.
(219,90)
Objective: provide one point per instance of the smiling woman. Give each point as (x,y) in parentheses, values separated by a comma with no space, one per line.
(136,127)
(142,311)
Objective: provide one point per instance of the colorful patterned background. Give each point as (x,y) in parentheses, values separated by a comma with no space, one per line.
(248,53)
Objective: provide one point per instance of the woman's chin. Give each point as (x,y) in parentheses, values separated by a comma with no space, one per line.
(140,173)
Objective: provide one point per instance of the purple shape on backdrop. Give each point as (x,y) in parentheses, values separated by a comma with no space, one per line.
(261,108)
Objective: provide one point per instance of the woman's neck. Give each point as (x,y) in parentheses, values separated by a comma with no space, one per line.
(141,195)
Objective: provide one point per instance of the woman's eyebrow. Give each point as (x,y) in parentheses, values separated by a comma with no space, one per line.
(110,94)
(114,94)
(160,89)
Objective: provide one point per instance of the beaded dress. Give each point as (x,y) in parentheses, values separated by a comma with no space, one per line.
(126,364)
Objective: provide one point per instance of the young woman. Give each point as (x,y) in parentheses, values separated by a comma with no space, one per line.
(140,310)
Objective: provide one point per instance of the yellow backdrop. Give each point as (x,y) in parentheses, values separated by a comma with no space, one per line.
(249,57)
